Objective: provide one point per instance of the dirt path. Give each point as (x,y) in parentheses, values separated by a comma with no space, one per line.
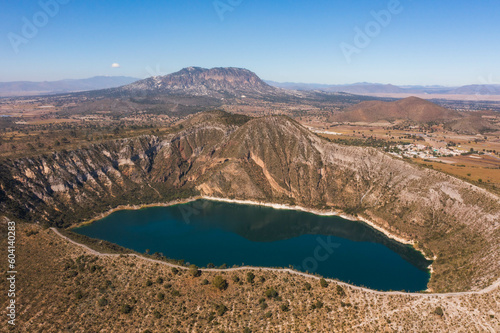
(489,289)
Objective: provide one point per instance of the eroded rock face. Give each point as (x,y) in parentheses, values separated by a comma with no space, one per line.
(214,82)
(267,159)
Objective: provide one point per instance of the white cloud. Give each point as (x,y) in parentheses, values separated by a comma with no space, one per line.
(115,65)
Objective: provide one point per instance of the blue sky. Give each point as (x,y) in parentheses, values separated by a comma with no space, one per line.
(424,42)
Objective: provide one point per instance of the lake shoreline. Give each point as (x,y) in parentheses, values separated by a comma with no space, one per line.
(318,212)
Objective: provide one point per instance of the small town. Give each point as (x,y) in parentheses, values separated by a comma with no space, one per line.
(425,152)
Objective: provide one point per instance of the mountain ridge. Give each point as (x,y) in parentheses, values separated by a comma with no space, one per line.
(216,82)
(268,159)
(23,88)
(381,88)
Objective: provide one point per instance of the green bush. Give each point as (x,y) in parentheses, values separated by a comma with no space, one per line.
(221,309)
(250,277)
(102,301)
(159,280)
(160,296)
(219,283)
(271,293)
(194,271)
(125,308)
(308,286)
(340,291)
(323,283)
(149,283)
(284,307)
(439,311)
(204,282)
(317,305)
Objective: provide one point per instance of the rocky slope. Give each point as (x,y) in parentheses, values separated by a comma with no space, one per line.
(267,159)
(214,82)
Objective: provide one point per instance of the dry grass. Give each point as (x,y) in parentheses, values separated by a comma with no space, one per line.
(63,288)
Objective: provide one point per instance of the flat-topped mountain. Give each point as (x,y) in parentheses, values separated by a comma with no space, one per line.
(214,82)
(411,109)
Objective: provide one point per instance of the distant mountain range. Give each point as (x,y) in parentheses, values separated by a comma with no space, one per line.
(221,82)
(378,88)
(26,88)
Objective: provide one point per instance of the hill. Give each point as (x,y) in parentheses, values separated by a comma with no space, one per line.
(471,125)
(410,109)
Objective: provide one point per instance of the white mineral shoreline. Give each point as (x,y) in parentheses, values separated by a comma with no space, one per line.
(266,204)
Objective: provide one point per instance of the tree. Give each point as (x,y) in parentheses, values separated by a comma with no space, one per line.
(219,283)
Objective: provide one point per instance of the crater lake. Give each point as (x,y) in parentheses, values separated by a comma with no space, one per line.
(207,233)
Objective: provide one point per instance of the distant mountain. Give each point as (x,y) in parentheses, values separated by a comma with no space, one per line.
(356,88)
(477,89)
(197,81)
(378,88)
(412,108)
(25,88)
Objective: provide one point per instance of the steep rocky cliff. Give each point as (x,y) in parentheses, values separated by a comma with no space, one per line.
(214,82)
(268,159)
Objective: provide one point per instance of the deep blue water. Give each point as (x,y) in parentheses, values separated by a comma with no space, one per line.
(204,232)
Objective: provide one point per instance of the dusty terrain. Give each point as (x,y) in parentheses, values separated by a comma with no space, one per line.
(270,159)
(71,289)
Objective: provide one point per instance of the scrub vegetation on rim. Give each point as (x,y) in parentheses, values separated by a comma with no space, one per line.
(269,159)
